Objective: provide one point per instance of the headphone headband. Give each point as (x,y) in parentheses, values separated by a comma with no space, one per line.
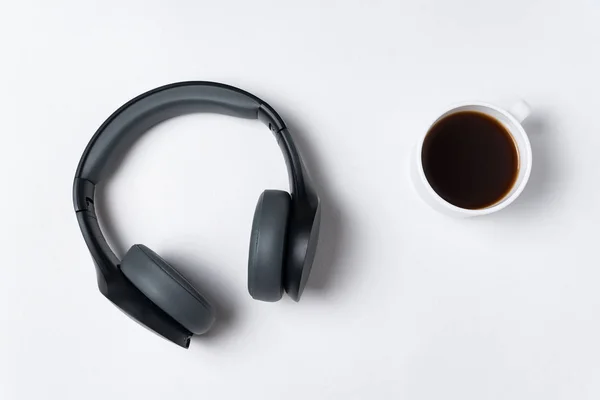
(137,116)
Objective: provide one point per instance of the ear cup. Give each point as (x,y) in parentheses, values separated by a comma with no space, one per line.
(167,288)
(267,245)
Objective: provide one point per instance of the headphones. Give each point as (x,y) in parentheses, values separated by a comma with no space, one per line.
(284,233)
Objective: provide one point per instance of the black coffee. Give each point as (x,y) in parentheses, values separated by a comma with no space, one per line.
(470,159)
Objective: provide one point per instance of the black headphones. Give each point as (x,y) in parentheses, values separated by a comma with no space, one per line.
(284,231)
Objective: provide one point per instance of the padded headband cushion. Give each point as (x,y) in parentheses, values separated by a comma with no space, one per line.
(267,245)
(167,288)
(142,113)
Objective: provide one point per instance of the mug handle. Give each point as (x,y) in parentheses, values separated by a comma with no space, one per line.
(520,110)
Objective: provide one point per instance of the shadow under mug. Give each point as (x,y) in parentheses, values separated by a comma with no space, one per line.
(511,119)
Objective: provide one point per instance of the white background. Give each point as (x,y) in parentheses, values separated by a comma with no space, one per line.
(402,303)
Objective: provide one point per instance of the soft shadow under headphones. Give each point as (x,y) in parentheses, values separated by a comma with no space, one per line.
(284,231)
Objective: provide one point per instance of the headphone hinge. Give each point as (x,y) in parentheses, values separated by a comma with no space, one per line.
(270,118)
(83,195)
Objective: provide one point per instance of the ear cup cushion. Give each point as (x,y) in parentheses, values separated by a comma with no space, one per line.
(267,245)
(167,288)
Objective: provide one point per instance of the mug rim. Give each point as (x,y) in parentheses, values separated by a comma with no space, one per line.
(505,201)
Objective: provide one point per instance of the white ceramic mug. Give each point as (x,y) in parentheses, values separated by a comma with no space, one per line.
(511,119)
